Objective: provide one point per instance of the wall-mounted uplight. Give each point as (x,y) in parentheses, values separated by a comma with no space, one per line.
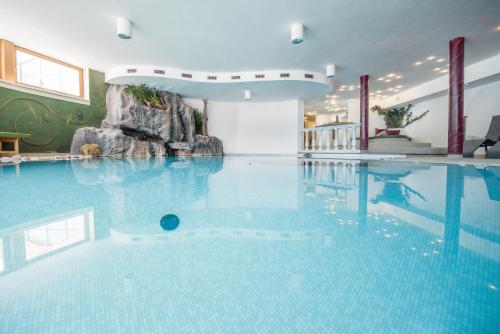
(297,33)
(123,28)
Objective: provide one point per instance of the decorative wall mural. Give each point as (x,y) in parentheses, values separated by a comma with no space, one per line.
(51,122)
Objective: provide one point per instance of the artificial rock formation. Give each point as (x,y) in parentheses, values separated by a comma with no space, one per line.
(132,129)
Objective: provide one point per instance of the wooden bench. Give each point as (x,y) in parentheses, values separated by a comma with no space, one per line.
(11,137)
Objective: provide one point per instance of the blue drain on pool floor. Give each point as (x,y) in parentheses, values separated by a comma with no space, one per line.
(169,222)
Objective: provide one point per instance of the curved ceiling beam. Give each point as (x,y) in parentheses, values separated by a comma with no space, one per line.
(116,74)
(271,85)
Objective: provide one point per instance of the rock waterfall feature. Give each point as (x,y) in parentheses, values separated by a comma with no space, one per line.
(134,129)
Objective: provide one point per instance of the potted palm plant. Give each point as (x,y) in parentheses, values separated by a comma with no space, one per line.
(396,119)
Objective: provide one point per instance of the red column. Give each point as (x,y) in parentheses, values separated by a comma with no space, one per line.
(456,97)
(363,109)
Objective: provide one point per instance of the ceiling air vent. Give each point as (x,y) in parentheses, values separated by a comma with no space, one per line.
(131,70)
(259,76)
(284,75)
(187,75)
(309,76)
(159,72)
(235,77)
(212,77)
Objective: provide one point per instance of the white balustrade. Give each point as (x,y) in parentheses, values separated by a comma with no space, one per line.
(319,140)
(337,173)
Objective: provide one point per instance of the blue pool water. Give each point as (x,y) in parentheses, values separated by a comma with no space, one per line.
(263,245)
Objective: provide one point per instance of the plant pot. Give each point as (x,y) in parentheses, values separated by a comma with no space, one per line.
(394,131)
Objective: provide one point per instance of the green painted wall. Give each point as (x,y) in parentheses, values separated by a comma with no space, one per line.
(51,122)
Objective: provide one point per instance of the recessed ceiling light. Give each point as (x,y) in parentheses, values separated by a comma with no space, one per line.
(390,75)
(388,80)
(341,89)
(431,57)
(390,89)
(399,76)
(335,96)
(399,86)
(444,71)
(327,95)
(436,69)
(396,90)
(497,28)
(380,79)
(343,86)
(440,60)
(417,63)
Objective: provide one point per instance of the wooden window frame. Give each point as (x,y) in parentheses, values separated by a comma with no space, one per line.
(53,60)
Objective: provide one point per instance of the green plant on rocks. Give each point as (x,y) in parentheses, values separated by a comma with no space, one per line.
(198,121)
(145,94)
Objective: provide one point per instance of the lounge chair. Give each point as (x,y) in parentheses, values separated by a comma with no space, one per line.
(11,137)
(492,137)
(494,151)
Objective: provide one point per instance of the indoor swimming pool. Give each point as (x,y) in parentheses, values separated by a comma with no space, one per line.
(261,245)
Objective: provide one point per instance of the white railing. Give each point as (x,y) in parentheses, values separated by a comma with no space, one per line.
(335,173)
(330,139)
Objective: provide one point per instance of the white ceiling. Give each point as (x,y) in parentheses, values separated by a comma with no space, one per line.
(361,37)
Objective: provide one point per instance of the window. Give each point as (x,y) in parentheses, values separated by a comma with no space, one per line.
(41,71)
(51,237)
(2,261)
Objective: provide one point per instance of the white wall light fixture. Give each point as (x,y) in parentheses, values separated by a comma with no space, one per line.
(123,28)
(248,94)
(330,71)
(297,33)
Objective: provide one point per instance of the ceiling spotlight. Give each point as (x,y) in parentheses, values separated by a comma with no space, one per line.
(444,71)
(431,57)
(388,80)
(399,86)
(497,28)
(341,89)
(440,60)
(417,63)
(123,28)
(248,94)
(380,79)
(297,33)
(399,76)
(436,69)
(330,71)
(390,75)
(334,96)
